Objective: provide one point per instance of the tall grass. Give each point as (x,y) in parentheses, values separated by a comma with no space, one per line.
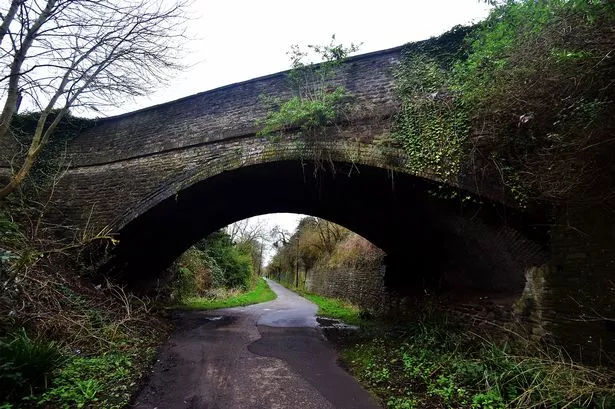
(25,364)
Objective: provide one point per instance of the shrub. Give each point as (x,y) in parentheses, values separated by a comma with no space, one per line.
(231,265)
(442,361)
(212,263)
(193,276)
(538,84)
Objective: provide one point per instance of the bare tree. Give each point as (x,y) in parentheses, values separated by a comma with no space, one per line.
(279,236)
(61,54)
(247,230)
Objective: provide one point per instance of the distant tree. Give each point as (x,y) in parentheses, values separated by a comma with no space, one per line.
(314,239)
(60,54)
(247,230)
(279,236)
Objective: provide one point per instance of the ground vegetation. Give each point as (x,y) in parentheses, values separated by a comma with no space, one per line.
(436,360)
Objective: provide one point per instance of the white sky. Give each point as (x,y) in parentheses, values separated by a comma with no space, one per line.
(236,40)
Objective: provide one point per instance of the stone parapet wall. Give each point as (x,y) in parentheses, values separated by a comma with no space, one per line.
(226,113)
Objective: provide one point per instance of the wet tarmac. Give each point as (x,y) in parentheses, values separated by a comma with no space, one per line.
(269,355)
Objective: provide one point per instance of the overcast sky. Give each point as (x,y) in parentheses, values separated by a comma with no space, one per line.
(236,40)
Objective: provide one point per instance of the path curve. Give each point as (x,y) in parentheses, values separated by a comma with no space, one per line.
(264,356)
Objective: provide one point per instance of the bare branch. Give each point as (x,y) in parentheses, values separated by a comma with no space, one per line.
(83,53)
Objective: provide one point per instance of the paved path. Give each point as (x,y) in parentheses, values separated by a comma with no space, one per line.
(264,356)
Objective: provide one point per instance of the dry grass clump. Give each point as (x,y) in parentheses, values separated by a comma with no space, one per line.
(355,251)
(75,312)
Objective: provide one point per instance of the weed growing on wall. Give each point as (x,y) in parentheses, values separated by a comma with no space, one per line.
(318,102)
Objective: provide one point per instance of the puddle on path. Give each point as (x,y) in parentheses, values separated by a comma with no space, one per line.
(332,323)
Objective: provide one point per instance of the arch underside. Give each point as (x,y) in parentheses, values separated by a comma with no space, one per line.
(428,241)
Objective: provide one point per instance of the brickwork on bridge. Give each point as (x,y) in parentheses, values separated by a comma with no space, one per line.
(227,113)
(137,185)
(125,163)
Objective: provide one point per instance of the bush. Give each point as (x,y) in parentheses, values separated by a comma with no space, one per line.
(231,265)
(538,81)
(213,262)
(193,276)
(527,103)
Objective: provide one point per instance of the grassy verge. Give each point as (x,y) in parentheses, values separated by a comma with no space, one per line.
(335,308)
(260,293)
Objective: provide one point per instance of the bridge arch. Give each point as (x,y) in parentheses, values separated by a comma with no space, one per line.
(428,241)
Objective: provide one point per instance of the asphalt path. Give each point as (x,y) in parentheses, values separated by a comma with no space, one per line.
(264,356)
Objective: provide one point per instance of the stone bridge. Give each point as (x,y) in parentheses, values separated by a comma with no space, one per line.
(163,177)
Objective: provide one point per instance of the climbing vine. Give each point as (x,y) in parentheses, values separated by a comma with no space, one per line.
(432,125)
(52,159)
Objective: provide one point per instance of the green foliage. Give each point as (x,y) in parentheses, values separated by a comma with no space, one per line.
(231,265)
(193,276)
(527,101)
(488,400)
(39,288)
(438,363)
(317,102)
(25,364)
(536,79)
(16,251)
(88,380)
(34,372)
(213,262)
(260,293)
(307,115)
(183,284)
(432,125)
(404,402)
